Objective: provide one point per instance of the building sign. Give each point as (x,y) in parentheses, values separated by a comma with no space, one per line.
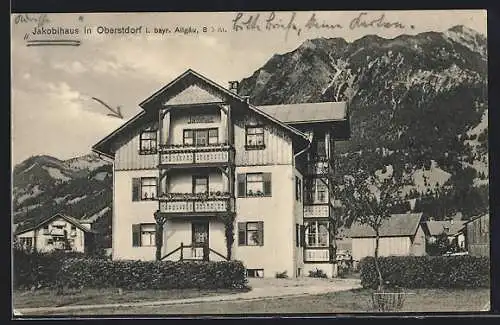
(201,119)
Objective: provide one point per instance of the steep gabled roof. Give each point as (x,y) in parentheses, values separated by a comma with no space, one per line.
(187,78)
(28,227)
(438,227)
(308,112)
(398,225)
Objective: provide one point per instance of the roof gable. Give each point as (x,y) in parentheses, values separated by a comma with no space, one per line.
(436,228)
(398,225)
(193,94)
(73,221)
(179,84)
(189,88)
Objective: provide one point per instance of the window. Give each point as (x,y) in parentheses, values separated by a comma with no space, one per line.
(318,192)
(251,233)
(321,148)
(298,189)
(144,234)
(254,137)
(148,188)
(73,227)
(148,142)
(45,229)
(254,184)
(201,137)
(200,184)
(316,233)
(255,273)
(213,136)
(144,188)
(188,137)
(26,243)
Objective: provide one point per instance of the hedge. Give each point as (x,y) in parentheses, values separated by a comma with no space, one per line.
(37,270)
(57,270)
(100,273)
(427,271)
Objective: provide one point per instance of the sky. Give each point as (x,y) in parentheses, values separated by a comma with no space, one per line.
(52,112)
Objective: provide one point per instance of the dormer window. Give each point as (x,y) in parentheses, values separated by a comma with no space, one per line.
(148,142)
(254,137)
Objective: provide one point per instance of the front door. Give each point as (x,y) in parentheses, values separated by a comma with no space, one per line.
(200,233)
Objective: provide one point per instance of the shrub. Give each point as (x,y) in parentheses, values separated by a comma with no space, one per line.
(282,275)
(38,270)
(428,271)
(102,273)
(317,273)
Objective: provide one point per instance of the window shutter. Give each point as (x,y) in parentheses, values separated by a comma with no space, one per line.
(136,189)
(242,185)
(302,235)
(267,184)
(296,188)
(297,235)
(159,236)
(260,227)
(136,235)
(241,233)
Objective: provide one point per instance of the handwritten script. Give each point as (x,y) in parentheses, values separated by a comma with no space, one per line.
(40,20)
(288,22)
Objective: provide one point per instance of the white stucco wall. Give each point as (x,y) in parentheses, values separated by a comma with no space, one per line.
(127,212)
(182,182)
(325,267)
(277,213)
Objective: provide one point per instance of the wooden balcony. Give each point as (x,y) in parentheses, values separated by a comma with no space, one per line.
(190,156)
(316,255)
(179,204)
(316,211)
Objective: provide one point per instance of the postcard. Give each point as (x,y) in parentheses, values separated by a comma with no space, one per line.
(250,163)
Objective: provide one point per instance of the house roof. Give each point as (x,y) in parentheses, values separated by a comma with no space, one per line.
(476,217)
(438,227)
(398,225)
(187,78)
(31,226)
(308,112)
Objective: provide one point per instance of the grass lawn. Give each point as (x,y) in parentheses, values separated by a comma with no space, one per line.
(354,301)
(49,298)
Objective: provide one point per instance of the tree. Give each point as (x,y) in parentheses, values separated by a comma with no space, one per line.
(369,199)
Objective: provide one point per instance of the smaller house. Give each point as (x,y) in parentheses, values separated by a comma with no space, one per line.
(57,232)
(455,230)
(478,235)
(399,235)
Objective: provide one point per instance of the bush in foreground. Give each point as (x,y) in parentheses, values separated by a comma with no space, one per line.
(100,273)
(428,271)
(34,270)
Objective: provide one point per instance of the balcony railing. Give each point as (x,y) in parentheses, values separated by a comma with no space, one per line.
(175,203)
(316,211)
(316,255)
(188,155)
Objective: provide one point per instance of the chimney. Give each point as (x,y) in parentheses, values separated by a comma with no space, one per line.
(233,86)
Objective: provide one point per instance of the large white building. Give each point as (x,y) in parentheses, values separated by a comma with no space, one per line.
(200,173)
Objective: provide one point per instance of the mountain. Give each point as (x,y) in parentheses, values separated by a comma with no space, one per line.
(81,187)
(417,103)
